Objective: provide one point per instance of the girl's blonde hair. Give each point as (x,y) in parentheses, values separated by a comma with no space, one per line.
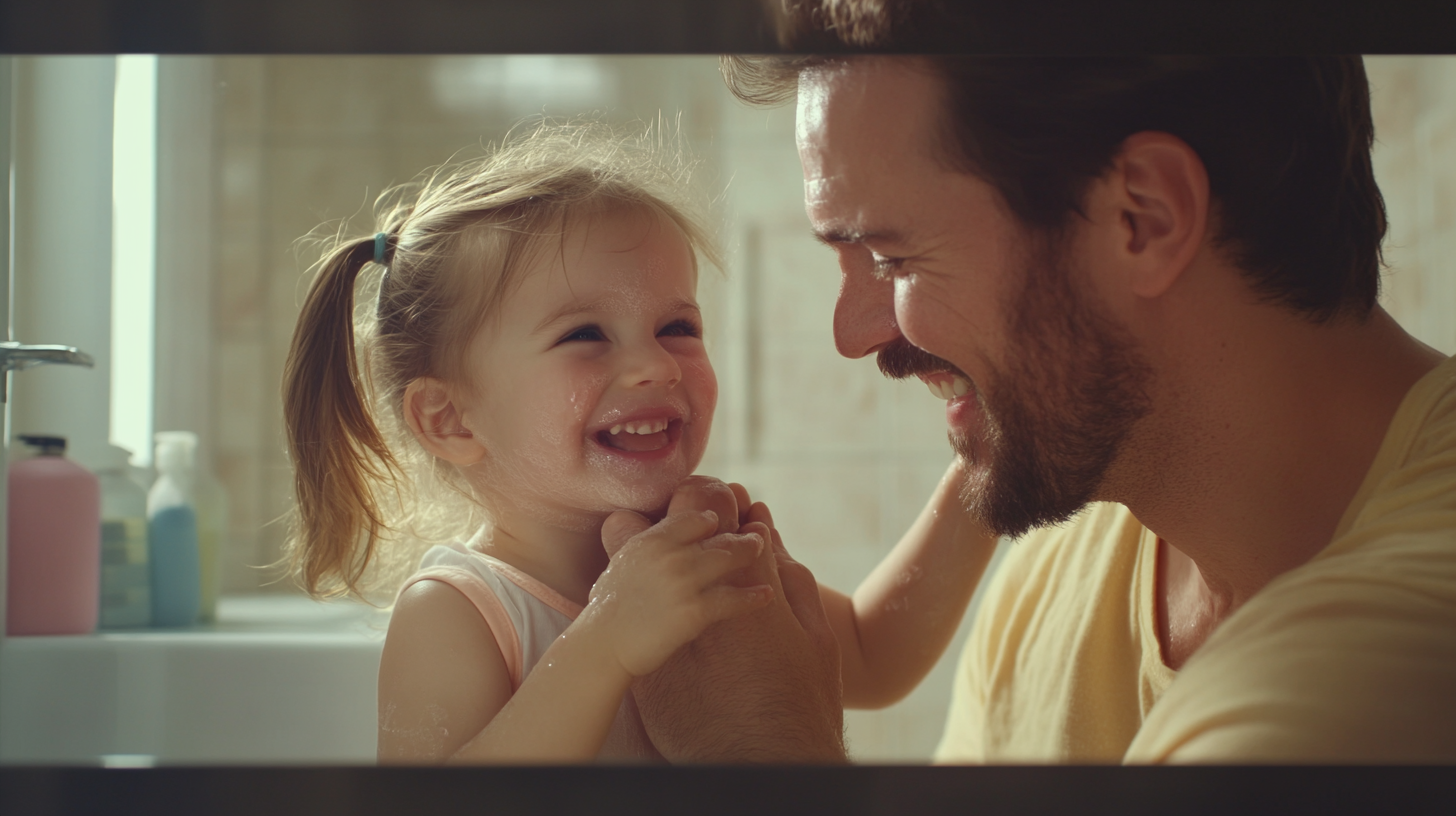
(453,247)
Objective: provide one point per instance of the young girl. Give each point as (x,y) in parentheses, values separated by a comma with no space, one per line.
(536,348)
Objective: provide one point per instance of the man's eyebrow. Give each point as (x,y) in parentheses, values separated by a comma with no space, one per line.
(837,236)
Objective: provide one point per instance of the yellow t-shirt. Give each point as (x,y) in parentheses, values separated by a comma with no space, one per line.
(1348,658)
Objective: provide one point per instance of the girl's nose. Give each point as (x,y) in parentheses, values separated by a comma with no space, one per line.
(651,364)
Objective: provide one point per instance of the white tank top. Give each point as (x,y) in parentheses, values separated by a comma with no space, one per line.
(526,616)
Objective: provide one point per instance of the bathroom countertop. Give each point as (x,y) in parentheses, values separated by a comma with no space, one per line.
(277,679)
(240,619)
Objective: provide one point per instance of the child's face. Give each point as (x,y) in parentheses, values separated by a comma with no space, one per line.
(592,389)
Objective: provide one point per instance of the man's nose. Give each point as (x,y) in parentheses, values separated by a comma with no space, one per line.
(650,364)
(864,314)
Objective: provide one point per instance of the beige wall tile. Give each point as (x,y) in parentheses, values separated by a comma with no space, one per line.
(237,471)
(238,291)
(816,402)
(310,192)
(313,97)
(241,94)
(238,284)
(1412,101)
(1395,95)
(242,394)
(766,180)
(1440,135)
(800,282)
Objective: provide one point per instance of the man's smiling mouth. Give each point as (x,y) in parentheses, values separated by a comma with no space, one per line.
(946,384)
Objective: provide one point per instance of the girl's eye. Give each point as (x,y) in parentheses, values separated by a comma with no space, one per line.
(588,334)
(680,328)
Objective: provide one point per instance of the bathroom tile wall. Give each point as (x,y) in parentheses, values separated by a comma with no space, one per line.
(844,457)
(1414,101)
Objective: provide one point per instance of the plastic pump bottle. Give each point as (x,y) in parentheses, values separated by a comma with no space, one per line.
(126,598)
(172,532)
(54,534)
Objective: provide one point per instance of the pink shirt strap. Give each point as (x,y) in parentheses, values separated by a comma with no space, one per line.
(473,587)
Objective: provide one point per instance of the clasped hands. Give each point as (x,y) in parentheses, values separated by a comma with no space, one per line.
(757,688)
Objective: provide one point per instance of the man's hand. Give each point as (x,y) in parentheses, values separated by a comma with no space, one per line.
(762,687)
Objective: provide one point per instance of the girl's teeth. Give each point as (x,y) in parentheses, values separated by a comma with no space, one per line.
(654,426)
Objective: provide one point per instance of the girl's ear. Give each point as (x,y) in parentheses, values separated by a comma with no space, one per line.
(434,417)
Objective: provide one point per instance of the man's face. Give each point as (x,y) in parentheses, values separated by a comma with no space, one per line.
(942,282)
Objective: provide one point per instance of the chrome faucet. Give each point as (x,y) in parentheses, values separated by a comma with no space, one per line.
(18,357)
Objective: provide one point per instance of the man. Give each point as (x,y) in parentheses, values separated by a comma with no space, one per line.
(1154,282)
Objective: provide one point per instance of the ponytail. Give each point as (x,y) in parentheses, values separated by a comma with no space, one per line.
(337,450)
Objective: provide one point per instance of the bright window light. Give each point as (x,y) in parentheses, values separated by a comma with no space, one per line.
(133,254)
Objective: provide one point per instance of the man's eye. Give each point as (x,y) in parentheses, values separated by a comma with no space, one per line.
(886,267)
(583,334)
(680,328)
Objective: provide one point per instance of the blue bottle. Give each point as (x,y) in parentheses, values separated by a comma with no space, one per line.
(172,533)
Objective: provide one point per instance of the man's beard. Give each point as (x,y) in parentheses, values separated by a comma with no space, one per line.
(1056,418)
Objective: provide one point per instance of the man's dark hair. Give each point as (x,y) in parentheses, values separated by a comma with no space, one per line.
(1285,140)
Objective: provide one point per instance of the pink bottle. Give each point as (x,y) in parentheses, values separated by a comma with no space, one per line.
(54,543)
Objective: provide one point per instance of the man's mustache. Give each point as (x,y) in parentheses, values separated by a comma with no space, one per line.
(902,359)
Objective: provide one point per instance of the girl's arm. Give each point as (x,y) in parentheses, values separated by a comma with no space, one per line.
(444,691)
(902,617)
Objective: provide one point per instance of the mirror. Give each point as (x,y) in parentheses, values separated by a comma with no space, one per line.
(255,152)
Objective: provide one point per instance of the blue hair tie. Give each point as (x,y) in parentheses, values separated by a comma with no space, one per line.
(379,241)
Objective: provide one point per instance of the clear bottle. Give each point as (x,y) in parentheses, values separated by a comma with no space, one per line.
(212,521)
(172,532)
(126,581)
(54,534)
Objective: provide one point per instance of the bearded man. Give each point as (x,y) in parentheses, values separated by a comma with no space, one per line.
(1152,284)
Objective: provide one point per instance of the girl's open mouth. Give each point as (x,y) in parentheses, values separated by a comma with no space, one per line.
(641,436)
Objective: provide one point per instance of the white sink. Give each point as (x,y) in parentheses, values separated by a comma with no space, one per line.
(278,679)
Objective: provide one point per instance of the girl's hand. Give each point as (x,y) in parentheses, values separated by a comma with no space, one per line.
(697,493)
(666,584)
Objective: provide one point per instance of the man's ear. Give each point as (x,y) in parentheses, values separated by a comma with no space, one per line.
(434,416)
(1160,189)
